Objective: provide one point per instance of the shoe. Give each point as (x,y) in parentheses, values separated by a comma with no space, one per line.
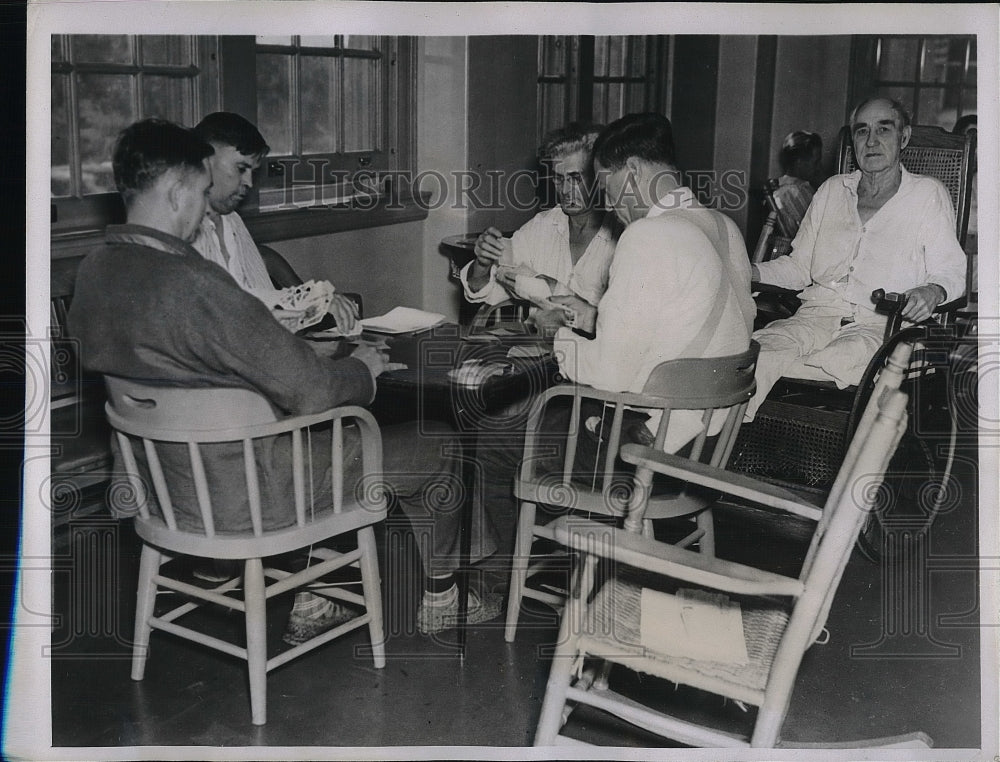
(432,619)
(303,627)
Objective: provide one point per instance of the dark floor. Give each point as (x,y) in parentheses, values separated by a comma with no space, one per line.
(892,665)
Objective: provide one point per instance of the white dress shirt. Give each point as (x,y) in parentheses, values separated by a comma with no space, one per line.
(839,261)
(542,244)
(243,262)
(664,281)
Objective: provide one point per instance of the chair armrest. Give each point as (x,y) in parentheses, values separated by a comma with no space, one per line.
(767,288)
(667,560)
(738,485)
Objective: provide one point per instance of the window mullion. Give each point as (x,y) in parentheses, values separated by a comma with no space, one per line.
(295,102)
(75,159)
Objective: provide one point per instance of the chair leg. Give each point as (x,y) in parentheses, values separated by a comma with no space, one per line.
(256,626)
(519,568)
(553,715)
(371,583)
(706,545)
(145,600)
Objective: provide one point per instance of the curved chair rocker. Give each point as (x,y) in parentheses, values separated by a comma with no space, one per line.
(801,431)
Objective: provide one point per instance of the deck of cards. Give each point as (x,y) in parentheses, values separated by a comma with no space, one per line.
(298,307)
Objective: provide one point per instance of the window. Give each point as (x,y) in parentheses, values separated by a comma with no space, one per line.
(599,79)
(328,105)
(935,77)
(322,104)
(103,83)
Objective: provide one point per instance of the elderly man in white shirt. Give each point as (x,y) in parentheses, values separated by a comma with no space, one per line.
(562,251)
(223,238)
(878,227)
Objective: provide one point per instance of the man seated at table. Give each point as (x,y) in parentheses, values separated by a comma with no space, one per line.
(564,250)
(223,237)
(878,227)
(680,280)
(679,286)
(148,307)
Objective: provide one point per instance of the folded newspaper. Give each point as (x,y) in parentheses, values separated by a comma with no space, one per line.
(298,307)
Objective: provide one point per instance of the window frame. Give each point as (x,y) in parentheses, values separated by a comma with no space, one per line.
(579,78)
(866,55)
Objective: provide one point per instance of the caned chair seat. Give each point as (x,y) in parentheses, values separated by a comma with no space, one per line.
(612,628)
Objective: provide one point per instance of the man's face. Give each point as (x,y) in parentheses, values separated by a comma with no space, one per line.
(571,173)
(878,139)
(232,177)
(194,193)
(619,189)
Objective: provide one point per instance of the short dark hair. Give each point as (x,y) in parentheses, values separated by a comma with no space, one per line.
(147,149)
(903,118)
(798,145)
(647,136)
(229,129)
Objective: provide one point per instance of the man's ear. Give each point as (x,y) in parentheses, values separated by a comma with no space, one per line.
(907,131)
(634,166)
(174,181)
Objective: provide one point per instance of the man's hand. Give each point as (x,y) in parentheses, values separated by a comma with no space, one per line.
(372,356)
(584,313)
(547,321)
(489,248)
(921,302)
(507,276)
(345,312)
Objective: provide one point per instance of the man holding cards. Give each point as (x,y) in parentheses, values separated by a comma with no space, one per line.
(566,250)
(148,307)
(223,237)
(679,285)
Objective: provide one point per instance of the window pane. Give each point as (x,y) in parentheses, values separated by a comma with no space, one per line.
(320,41)
(361,104)
(318,99)
(164,49)
(898,60)
(616,56)
(904,95)
(636,98)
(62,184)
(105,102)
(637,56)
(552,108)
(935,64)
(552,56)
(934,109)
(101,48)
(274,113)
(600,110)
(273,39)
(168,98)
(361,42)
(57,50)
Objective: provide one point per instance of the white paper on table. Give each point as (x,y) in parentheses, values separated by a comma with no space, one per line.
(402,320)
(692,625)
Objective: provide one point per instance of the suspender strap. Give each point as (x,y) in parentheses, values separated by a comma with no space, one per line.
(699,343)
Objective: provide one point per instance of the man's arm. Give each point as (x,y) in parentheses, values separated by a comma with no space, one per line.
(247,343)
(794,270)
